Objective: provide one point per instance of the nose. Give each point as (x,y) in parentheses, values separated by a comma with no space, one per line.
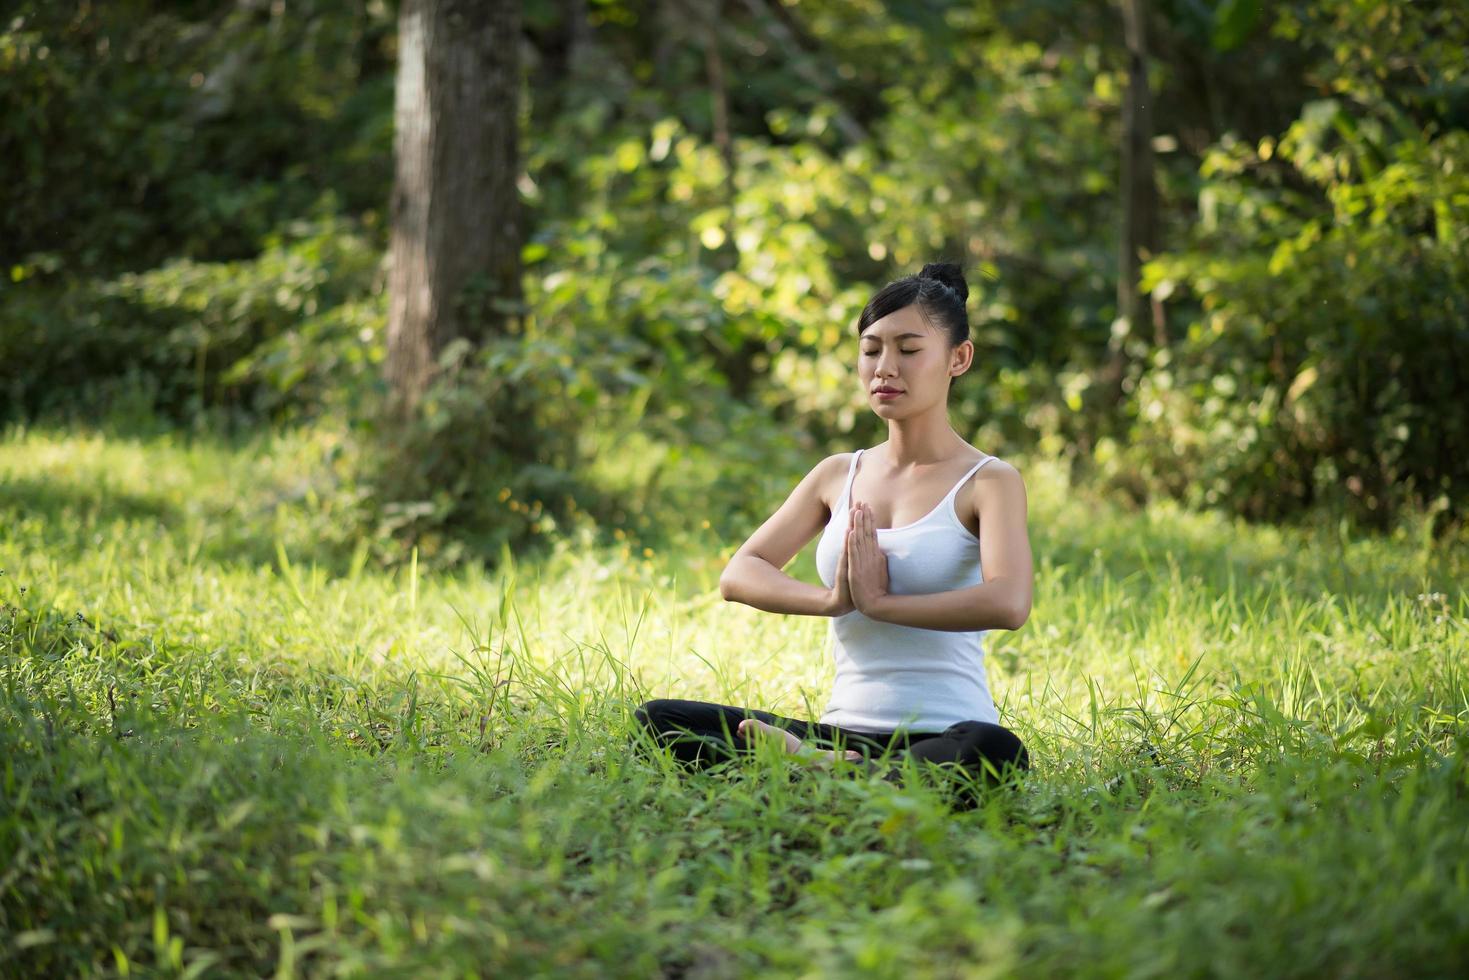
(887,363)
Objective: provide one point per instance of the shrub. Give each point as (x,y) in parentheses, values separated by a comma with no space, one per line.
(1324,362)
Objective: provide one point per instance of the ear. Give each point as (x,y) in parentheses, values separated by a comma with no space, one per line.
(961,358)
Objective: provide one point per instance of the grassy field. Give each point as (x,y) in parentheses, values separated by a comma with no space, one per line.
(226,751)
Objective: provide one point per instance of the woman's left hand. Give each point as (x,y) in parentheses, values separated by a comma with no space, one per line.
(867,566)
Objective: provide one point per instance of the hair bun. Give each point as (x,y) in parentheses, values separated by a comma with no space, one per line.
(950,275)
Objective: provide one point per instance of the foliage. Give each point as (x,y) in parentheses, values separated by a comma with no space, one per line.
(1326,370)
(195,199)
(292,329)
(198,205)
(141,132)
(1325,281)
(452,480)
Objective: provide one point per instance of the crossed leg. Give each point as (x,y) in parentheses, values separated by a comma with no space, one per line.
(703,734)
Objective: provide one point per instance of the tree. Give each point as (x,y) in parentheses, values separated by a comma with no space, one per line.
(455,247)
(1138,207)
(1139,192)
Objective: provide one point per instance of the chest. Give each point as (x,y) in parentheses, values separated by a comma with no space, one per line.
(918,503)
(932,556)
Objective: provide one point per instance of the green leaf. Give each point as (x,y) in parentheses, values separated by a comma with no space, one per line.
(1233,21)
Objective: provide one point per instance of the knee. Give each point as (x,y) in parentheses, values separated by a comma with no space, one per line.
(653,714)
(645,713)
(996,743)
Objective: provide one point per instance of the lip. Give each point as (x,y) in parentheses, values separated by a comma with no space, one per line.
(886,394)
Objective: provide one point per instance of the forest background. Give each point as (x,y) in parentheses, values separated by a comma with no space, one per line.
(317,659)
(196,215)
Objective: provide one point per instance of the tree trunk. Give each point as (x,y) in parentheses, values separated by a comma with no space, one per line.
(736,364)
(454,257)
(1139,193)
(1138,204)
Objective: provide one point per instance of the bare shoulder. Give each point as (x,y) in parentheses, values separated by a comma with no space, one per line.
(1001,475)
(829,476)
(997,487)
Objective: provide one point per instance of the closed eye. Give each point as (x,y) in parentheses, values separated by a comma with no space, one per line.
(873,353)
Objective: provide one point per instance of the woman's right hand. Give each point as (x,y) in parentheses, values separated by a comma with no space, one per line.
(841,592)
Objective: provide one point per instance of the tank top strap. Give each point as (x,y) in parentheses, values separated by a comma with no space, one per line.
(851,476)
(965,478)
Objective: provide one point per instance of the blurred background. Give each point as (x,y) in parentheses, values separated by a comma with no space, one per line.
(606,278)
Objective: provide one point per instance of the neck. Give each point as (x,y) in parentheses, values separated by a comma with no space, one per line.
(921,440)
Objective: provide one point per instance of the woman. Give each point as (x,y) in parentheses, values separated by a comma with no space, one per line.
(911,585)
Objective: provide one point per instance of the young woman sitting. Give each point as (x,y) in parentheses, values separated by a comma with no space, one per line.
(911,585)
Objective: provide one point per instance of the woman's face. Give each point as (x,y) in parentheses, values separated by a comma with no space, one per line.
(903,353)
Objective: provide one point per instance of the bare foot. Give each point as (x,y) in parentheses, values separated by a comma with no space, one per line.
(753,728)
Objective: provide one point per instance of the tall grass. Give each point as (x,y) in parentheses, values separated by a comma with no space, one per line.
(225,748)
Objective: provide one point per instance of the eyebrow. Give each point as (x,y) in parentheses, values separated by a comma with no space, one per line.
(901,336)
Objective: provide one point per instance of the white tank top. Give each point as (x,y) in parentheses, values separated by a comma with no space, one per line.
(890,676)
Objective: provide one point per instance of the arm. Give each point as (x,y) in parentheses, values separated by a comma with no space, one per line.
(754,577)
(1003,599)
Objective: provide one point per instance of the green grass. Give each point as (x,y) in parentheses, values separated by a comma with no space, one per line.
(226,749)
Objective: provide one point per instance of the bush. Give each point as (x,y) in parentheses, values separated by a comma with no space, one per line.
(1324,362)
(271,336)
(485,463)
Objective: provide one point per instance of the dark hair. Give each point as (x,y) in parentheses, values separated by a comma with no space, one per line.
(940,292)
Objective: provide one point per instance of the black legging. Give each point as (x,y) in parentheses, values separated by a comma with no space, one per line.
(701,734)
